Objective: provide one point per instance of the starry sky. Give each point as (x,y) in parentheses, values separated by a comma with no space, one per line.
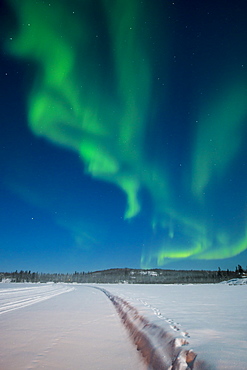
(123,134)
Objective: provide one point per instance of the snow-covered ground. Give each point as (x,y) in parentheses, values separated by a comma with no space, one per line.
(59,326)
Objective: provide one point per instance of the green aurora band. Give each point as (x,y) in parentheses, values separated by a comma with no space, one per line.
(97,98)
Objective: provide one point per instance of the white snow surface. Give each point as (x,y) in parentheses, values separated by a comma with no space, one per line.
(60,326)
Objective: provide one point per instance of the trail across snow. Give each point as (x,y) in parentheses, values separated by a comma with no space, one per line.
(15,298)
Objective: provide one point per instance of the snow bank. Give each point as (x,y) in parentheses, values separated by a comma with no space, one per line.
(161,349)
(211,317)
(241,281)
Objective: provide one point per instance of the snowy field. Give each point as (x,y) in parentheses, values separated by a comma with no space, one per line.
(59,326)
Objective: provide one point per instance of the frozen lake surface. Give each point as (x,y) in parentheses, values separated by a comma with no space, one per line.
(59,326)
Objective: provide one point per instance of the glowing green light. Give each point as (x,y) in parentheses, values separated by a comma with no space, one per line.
(98,161)
(218,136)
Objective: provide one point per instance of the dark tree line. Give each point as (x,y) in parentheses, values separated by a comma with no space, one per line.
(126,275)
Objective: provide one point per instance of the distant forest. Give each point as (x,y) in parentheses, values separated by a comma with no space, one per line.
(127,276)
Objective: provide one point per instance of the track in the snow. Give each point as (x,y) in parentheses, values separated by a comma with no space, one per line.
(14,299)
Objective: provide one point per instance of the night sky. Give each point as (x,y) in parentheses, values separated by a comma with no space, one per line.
(123,134)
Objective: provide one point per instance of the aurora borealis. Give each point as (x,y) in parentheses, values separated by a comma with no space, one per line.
(124,126)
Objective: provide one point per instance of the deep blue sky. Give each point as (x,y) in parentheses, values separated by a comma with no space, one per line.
(136,153)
